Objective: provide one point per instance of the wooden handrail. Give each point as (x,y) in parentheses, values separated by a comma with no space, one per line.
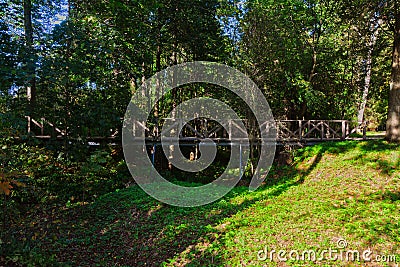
(286,130)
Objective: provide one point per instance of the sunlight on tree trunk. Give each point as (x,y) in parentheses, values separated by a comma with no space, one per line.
(374,27)
(393,122)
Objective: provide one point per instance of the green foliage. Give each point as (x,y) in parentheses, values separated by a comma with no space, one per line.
(308,57)
(41,175)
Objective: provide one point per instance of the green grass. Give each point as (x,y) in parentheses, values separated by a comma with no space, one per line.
(368,134)
(333,191)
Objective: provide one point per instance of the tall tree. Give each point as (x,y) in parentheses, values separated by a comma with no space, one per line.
(393,121)
(375,24)
(387,11)
(8,51)
(31,83)
(290,50)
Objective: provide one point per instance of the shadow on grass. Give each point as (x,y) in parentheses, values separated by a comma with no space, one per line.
(310,158)
(288,176)
(371,153)
(367,152)
(129,228)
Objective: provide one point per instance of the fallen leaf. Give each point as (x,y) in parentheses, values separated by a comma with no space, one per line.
(5,187)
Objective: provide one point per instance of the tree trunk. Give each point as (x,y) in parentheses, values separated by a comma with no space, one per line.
(367,83)
(393,121)
(31,87)
(374,27)
(158,84)
(174,112)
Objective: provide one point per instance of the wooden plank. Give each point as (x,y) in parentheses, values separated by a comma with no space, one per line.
(194,130)
(330,129)
(216,129)
(176,123)
(142,125)
(52,125)
(282,126)
(239,127)
(315,127)
(37,123)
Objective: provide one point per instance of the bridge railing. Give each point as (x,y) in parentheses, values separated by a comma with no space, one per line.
(312,130)
(200,128)
(287,130)
(186,128)
(40,128)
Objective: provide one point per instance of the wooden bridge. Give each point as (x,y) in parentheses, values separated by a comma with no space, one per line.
(287,131)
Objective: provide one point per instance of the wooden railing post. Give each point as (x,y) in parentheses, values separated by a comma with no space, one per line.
(343,130)
(29,123)
(204,128)
(300,129)
(365,130)
(42,128)
(322,130)
(180,127)
(328,132)
(230,129)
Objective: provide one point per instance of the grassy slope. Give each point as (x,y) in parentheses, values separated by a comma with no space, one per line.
(333,191)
